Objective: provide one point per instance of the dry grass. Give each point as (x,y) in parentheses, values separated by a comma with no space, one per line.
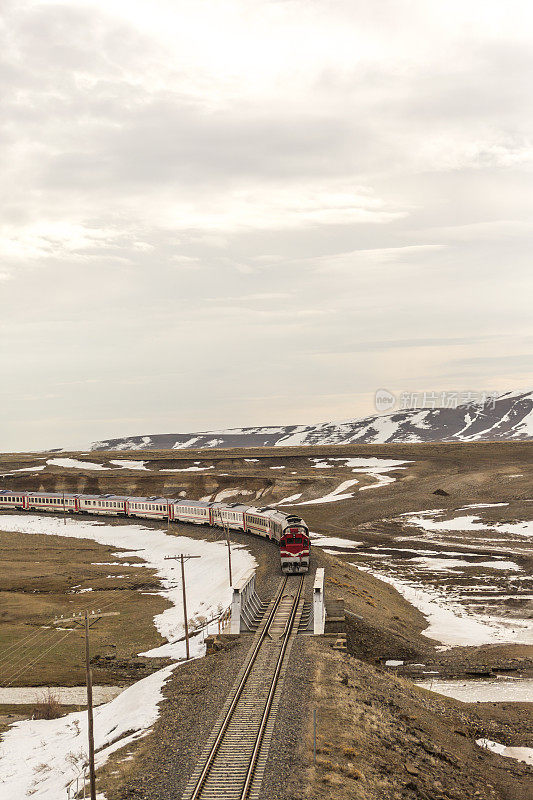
(48,707)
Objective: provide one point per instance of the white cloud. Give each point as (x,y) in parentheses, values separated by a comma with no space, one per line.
(261,181)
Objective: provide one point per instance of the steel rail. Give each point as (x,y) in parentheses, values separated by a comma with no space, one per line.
(216,744)
(266,712)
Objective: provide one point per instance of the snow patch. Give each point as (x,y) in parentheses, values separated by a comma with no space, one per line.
(338,494)
(318,540)
(289,499)
(187,469)
(518,753)
(188,443)
(129,464)
(73,463)
(26,469)
(468,523)
(450,564)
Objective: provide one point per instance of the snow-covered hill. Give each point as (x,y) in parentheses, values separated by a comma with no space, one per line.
(510,416)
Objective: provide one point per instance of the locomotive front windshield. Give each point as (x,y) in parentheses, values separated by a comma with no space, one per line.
(293,540)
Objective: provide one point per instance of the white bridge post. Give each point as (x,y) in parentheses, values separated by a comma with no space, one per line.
(319,606)
(243,602)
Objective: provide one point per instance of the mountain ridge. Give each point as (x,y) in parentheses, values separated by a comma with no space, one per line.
(508,416)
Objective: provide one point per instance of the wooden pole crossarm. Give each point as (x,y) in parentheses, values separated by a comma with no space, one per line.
(93,617)
(177,558)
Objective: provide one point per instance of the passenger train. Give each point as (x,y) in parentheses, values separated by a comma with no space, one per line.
(288,531)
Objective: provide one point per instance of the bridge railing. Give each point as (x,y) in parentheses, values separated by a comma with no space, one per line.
(245,603)
(319,605)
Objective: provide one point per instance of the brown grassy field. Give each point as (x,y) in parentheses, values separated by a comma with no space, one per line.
(41,579)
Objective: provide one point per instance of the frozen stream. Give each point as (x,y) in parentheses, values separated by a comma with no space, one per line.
(493,690)
(66,695)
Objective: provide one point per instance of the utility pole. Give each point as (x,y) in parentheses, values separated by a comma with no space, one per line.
(90,724)
(64,511)
(183,558)
(185,622)
(87,621)
(226,527)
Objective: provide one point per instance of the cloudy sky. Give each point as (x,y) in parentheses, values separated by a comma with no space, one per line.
(221,212)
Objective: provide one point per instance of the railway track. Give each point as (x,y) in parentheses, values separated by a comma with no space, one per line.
(233,761)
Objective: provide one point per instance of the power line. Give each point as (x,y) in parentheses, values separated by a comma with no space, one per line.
(32,640)
(21,657)
(24,642)
(30,665)
(39,638)
(24,657)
